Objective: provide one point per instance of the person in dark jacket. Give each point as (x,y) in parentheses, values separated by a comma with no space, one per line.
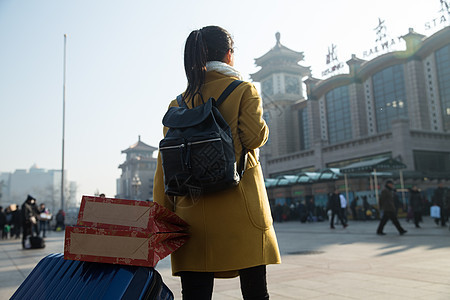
(60,220)
(29,218)
(310,209)
(36,213)
(16,224)
(335,206)
(353,206)
(278,211)
(366,208)
(43,221)
(387,205)
(415,202)
(2,223)
(441,198)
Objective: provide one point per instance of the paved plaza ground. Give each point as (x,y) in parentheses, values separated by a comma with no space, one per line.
(318,263)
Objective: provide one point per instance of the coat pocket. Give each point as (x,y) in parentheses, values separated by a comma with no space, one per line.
(255,195)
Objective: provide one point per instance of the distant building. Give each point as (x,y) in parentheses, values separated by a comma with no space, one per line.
(4,184)
(396,105)
(281,79)
(138,171)
(42,184)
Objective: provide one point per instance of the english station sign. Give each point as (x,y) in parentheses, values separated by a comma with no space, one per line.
(384,43)
(442,19)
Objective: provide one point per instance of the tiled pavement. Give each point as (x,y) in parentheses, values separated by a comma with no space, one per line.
(318,263)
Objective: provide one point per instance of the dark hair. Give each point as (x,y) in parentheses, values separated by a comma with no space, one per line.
(211,43)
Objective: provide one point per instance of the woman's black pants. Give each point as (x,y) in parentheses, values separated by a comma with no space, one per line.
(199,285)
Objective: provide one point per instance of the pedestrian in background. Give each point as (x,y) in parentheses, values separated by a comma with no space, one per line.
(8,224)
(435,213)
(36,212)
(441,198)
(353,206)
(2,223)
(278,212)
(343,207)
(60,220)
(367,208)
(336,208)
(29,220)
(44,217)
(311,210)
(302,211)
(387,205)
(415,201)
(17,221)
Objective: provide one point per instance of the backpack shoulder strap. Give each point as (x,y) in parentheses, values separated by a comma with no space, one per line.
(227,92)
(180,101)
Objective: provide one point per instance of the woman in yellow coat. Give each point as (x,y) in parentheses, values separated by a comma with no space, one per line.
(231,231)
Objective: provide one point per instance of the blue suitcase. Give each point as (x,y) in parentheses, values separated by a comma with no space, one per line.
(56,278)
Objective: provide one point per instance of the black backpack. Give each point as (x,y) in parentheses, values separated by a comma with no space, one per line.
(197,152)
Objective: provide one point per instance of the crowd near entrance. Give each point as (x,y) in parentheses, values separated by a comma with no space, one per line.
(306,197)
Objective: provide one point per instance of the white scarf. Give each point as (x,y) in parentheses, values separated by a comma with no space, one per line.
(222,68)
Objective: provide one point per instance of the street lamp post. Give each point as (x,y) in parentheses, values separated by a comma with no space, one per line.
(64,124)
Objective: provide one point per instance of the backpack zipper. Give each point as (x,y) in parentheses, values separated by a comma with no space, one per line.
(204,141)
(171,147)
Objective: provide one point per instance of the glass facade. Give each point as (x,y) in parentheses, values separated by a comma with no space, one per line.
(304,129)
(338,115)
(348,118)
(389,96)
(428,161)
(443,71)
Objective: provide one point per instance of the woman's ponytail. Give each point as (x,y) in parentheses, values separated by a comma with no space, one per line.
(211,43)
(195,57)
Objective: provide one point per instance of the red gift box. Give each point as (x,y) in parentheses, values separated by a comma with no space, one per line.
(120,231)
(137,248)
(125,214)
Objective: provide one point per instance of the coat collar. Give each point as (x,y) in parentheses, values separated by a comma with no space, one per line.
(222,68)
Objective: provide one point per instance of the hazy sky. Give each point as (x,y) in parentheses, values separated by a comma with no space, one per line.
(125,63)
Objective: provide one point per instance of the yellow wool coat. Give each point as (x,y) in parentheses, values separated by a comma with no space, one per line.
(229,230)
